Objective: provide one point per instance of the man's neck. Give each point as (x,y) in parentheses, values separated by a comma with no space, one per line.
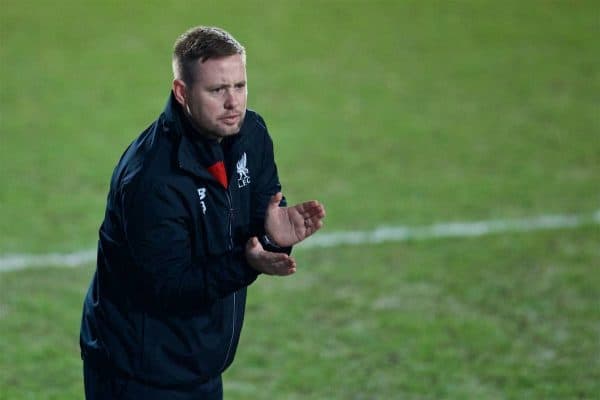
(197,130)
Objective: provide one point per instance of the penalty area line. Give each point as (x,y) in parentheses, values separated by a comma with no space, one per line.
(383,234)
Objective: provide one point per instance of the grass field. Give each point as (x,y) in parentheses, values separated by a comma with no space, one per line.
(391,113)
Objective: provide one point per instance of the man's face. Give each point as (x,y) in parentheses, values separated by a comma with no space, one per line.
(216,101)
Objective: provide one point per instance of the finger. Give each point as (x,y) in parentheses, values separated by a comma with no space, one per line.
(313,210)
(285,271)
(283,263)
(313,227)
(285,266)
(314,222)
(291,268)
(307,205)
(323,213)
(274,259)
(315,216)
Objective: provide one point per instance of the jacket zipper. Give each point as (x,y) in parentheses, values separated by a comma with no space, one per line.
(229,218)
(232,336)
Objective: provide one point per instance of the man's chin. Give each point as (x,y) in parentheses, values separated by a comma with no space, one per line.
(230,130)
(223,133)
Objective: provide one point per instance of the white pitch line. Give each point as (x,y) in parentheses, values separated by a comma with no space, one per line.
(452,229)
(13,262)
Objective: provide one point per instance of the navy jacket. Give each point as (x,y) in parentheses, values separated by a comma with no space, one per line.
(166,303)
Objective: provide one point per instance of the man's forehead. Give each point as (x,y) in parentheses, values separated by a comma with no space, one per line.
(223,67)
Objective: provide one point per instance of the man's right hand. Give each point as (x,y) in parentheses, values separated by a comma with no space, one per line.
(268,262)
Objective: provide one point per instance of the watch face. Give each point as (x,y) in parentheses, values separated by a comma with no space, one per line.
(267,240)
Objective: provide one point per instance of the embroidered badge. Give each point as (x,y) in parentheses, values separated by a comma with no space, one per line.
(243,173)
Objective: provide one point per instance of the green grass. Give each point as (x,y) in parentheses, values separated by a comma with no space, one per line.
(409,322)
(390,112)
(495,317)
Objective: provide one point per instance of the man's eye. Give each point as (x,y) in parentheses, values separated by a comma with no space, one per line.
(217,90)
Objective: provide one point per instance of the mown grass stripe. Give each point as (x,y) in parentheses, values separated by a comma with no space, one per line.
(13,262)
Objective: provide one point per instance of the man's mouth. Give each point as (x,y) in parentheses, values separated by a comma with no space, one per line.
(230,119)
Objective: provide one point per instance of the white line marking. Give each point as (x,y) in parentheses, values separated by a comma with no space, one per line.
(453,229)
(13,262)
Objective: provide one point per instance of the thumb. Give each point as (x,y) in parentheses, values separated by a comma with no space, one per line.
(275,200)
(251,243)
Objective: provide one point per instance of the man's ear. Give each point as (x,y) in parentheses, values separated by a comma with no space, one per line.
(180,91)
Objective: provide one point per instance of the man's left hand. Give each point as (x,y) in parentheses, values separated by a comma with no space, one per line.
(287,226)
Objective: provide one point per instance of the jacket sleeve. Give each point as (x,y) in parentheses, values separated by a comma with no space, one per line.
(158,229)
(266,186)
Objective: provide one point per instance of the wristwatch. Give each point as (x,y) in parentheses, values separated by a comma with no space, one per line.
(269,242)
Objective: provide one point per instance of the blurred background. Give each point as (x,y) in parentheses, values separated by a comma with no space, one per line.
(392,113)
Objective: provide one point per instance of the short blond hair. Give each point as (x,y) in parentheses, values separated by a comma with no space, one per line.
(201,43)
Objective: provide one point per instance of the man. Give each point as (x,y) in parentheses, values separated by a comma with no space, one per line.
(194,214)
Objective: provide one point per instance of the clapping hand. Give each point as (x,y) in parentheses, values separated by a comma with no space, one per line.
(268,262)
(287,226)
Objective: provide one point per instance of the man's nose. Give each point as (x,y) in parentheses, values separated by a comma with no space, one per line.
(231,100)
